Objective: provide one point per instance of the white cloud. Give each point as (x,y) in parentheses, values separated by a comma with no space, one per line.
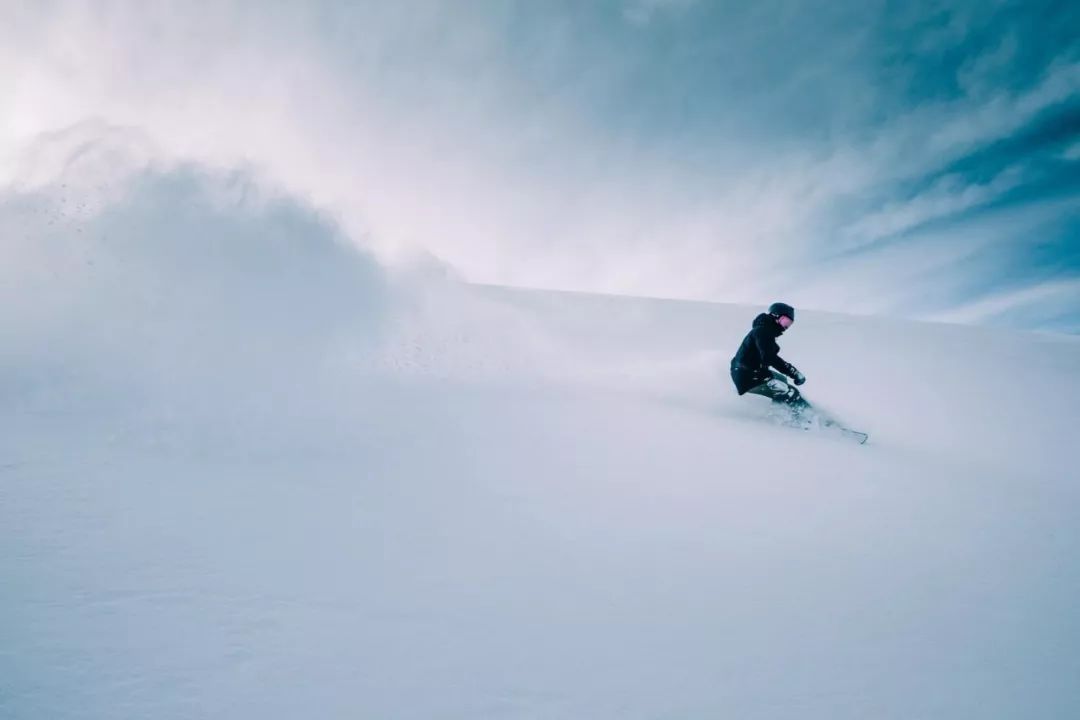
(932,269)
(1032,298)
(946,197)
(446,167)
(411,127)
(1002,114)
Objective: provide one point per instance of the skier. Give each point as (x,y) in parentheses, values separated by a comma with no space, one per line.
(751,368)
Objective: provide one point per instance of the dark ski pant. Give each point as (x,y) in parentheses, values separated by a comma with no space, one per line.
(779,391)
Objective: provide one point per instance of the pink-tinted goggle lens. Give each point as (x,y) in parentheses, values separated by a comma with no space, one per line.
(785,321)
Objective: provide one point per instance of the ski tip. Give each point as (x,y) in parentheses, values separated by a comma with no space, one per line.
(857,436)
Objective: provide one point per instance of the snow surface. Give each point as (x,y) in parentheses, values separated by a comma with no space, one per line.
(247,473)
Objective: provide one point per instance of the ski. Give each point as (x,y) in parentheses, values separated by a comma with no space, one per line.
(856,435)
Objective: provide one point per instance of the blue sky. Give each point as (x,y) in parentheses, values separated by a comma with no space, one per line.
(917,159)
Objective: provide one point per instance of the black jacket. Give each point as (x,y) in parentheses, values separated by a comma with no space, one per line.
(758,352)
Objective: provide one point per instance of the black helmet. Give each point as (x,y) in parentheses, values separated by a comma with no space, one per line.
(779,308)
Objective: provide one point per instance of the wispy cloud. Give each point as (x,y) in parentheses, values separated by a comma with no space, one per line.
(1044,305)
(673,148)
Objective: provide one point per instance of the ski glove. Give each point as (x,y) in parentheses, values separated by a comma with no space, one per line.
(798,377)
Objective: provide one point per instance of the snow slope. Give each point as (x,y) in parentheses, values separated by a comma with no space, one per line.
(247,473)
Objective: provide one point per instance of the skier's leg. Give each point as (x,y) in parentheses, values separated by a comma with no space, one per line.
(775,389)
(778,390)
(795,399)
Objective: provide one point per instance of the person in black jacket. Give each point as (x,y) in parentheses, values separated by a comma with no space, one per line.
(752,367)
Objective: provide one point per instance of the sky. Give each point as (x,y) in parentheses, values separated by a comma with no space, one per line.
(919,159)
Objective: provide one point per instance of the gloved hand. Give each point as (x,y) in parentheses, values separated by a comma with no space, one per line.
(798,378)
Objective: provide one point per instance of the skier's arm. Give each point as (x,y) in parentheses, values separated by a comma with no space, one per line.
(790,370)
(767,348)
(785,367)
